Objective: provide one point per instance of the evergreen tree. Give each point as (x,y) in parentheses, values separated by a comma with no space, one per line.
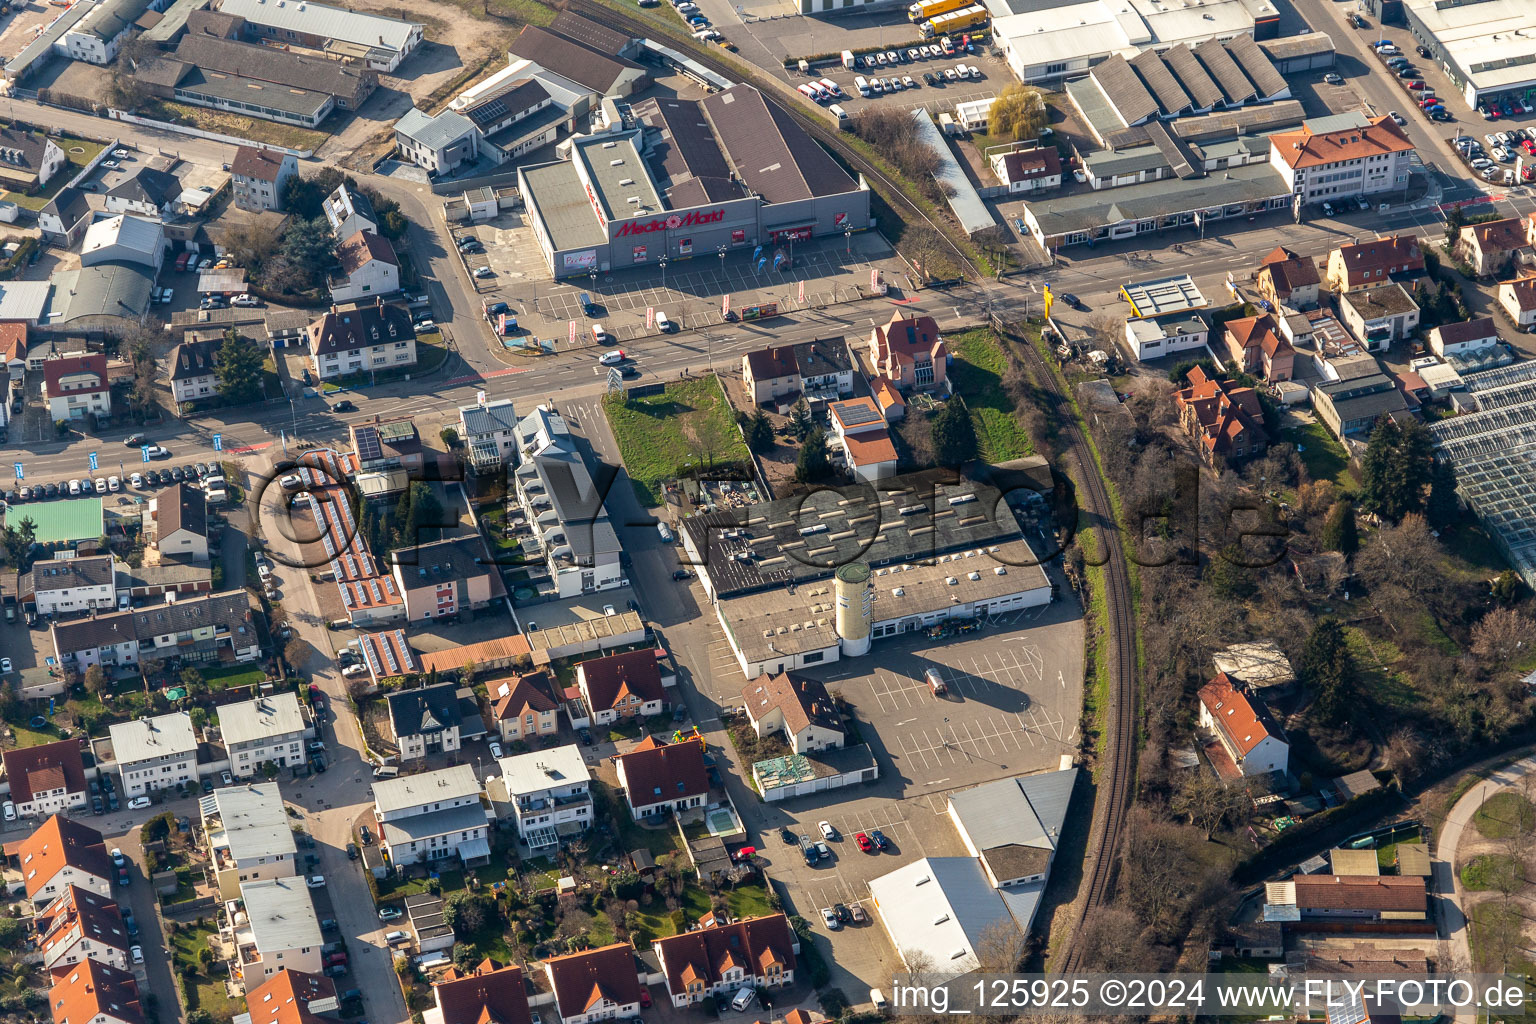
(759,433)
(954,436)
(1327,668)
(800,422)
(1396,469)
(1230,575)
(1340,532)
(1441,509)
(238,369)
(813,464)
(1376,466)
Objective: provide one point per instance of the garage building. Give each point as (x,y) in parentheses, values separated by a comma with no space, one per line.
(697,178)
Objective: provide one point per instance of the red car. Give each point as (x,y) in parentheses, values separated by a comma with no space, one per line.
(332,959)
(1416,84)
(865,843)
(645,997)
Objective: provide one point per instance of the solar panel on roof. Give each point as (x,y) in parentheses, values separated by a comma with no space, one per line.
(853,415)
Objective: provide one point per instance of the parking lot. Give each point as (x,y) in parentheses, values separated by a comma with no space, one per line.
(934,99)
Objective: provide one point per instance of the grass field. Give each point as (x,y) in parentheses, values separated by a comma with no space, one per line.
(663,437)
(1492,871)
(253,128)
(204,992)
(233,676)
(1324,457)
(977,376)
(1503,815)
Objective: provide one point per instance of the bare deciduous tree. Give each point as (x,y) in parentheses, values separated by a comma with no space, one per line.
(1502,636)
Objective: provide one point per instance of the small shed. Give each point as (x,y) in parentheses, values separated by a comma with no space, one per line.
(1354,784)
(1354,862)
(1412,859)
(229,281)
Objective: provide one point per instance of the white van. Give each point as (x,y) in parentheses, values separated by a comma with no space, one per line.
(838,112)
(611,358)
(662,323)
(861,85)
(878,999)
(386,771)
(665,531)
(743,999)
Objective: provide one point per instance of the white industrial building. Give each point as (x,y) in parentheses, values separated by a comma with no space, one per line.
(945,551)
(124,238)
(379,42)
(1487,48)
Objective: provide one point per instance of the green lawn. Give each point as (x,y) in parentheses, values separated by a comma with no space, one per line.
(26,736)
(663,437)
(79,152)
(1323,456)
(748,901)
(1492,871)
(393,887)
(234,676)
(1503,815)
(204,992)
(1377,660)
(977,376)
(1386,856)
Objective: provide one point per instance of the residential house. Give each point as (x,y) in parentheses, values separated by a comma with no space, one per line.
(1352,897)
(595,984)
(82,925)
(1342,156)
(290,997)
(444,578)
(489,431)
(179,516)
(98,35)
(64,220)
(1224,419)
(770,373)
(1257,347)
(146,192)
(258,176)
(892,406)
(275,929)
(361,340)
(60,853)
(539,431)
(524,708)
(663,778)
(1518,297)
(388,654)
(1351,407)
(1247,733)
(432,816)
(75,386)
(31,159)
(1367,264)
(548,794)
(46,779)
(13,349)
(488,994)
(1288,279)
(124,238)
(1464,338)
(909,352)
(1158,336)
(755,952)
(249,836)
(566,511)
(206,628)
(271,729)
(348,211)
(92,992)
(388,444)
(621,686)
(193,371)
(1380,315)
(369,267)
(797,706)
(70,585)
(438,144)
(1493,246)
(1028,170)
(859,430)
(425,720)
(155,753)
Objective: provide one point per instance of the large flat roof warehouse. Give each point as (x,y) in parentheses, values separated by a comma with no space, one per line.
(373,32)
(1163,295)
(560,199)
(1490,45)
(618,173)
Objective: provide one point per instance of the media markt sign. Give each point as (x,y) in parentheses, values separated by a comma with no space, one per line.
(691,219)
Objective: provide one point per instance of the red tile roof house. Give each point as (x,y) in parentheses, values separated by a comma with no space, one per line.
(46,779)
(1224,419)
(82,925)
(76,386)
(91,992)
(1256,345)
(798,707)
(1463,338)
(285,998)
(754,952)
(61,853)
(489,993)
(909,352)
(771,373)
(525,707)
(1518,298)
(1360,897)
(1367,264)
(1243,725)
(595,984)
(1490,245)
(621,686)
(1289,279)
(665,778)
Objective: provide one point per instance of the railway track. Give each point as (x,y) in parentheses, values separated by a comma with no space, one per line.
(817,128)
(1120,749)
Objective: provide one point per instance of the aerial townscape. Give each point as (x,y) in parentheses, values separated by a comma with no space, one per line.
(480,546)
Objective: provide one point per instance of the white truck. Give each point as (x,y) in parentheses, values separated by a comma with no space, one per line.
(848,59)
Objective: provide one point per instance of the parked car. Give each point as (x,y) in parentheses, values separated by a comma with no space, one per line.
(315,881)
(830,917)
(390,913)
(138,803)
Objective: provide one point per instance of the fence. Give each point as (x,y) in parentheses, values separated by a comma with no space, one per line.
(182,129)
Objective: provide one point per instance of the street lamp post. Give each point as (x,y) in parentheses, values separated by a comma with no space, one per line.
(663,262)
(848,239)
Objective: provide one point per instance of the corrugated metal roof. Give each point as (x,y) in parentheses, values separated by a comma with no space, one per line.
(1026,811)
(1219,63)
(1192,75)
(1256,65)
(1124,90)
(1170,95)
(968,208)
(941,907)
